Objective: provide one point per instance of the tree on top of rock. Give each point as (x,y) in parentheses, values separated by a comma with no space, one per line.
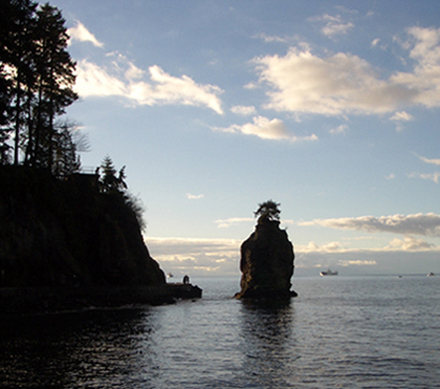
(268,211)
(110,183)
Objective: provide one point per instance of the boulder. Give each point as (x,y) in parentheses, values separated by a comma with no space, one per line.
(267,262)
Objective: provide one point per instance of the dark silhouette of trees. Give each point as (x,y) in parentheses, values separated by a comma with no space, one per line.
(268,211)
(113,183)
(109,181)
(37,76)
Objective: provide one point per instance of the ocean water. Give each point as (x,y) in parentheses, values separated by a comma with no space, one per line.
(341,332)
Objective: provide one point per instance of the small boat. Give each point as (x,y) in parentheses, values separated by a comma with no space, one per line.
(328,273)
(170,275)
(431,274)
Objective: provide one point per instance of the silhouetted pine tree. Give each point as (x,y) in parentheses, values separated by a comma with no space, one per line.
(37,76)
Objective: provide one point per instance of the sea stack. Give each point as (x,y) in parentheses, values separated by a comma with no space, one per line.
(267,258)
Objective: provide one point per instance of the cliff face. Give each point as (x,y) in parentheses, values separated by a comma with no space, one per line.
(266,263)
(67,233)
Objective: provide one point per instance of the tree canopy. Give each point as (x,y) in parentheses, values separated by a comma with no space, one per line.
(37,76)
(268,211)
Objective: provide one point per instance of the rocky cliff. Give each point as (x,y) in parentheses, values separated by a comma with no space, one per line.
(266,262)
(66,233)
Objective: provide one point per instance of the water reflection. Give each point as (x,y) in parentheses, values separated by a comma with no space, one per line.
(101,348)
(268,343)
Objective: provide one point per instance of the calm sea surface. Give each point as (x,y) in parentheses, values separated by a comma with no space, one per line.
(341,332)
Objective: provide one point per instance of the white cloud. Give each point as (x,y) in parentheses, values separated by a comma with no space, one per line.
(430,161)
(195,197)
(426,176)
(333,25)
(342,83)
(390,177)
(244,110)
(221,257)
(402,116)
(270,39)
(375,42)
(336,28)
(251,86)
(410,243)
(312,247)
(337,85)
(91,80)
(264,128)
(225,223)
(342,129)
(162,88)
(357,262)
(418,224)
(80,33)
(196,256)
(133,72)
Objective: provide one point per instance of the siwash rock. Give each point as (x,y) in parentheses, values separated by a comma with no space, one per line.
(267,262)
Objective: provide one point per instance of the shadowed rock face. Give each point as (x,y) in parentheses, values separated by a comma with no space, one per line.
(267,263)
(66,233)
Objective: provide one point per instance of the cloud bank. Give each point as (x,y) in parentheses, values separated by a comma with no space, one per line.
(221,257)
(265,128)
(161,88)
(342,83)
(418,224)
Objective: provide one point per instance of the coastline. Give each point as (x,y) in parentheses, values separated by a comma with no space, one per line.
(49,299)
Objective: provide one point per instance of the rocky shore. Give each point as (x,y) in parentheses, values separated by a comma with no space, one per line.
(66,244)
(52,299)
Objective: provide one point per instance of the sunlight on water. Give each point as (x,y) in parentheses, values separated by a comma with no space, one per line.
(344,332)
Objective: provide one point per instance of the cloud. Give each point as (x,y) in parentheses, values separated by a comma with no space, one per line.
(342,129)
(162,88)
(418,224)
(426,176)
(337,85)
(342,83)
(195,197)
(91,80)
(244,110)
(402,116)
(357,262)
(80,33)
(264,128)
(225,223)
(312,247)
(410,243)
(390,177)
(333,25)
(375,42)
(270,39)
(221,257)
(197,257)
(430,161)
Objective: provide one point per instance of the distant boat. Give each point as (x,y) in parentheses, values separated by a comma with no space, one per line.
(328,273)
(431,274)
(170,275)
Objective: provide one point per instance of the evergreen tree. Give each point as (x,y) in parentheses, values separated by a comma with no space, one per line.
(16,61)
(268,211)
(110,182)
(55,69)
(66,159)
(37,76)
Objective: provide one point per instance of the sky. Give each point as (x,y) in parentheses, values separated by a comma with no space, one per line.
(330,108)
